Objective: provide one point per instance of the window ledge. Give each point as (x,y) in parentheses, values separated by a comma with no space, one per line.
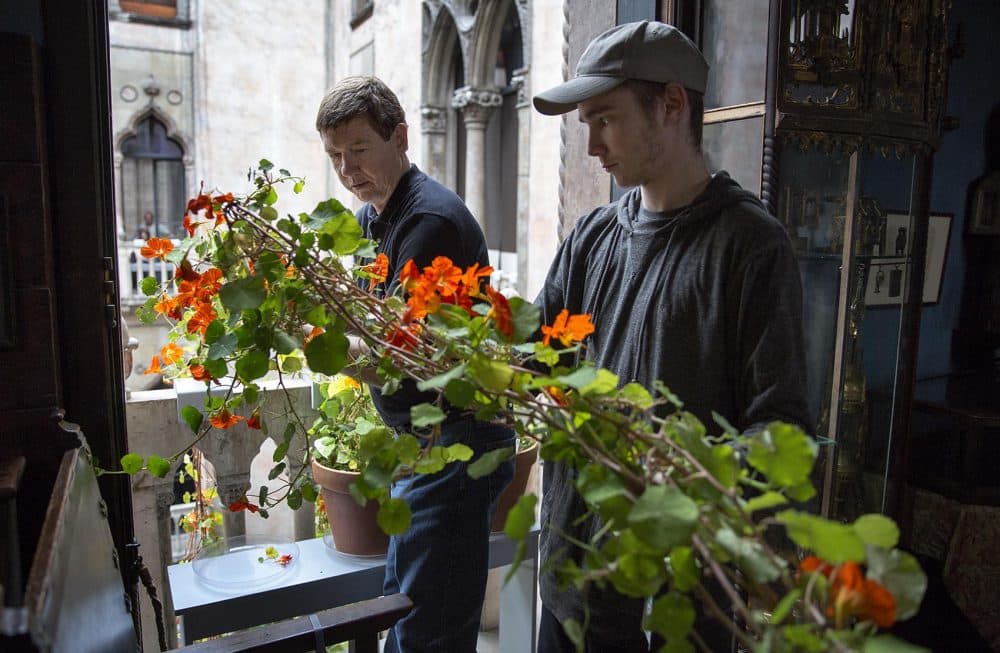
(126,17)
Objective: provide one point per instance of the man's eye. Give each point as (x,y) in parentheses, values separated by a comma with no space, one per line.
(603,121)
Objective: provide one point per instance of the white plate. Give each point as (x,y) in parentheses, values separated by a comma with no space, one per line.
(235,562)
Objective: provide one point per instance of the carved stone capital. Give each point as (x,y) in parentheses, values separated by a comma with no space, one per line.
(433,120)
(476,104)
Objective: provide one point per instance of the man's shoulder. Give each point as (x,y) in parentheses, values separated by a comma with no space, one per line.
(751,218)
(597,220)
(434,198)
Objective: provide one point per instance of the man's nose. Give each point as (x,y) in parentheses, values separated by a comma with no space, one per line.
(347,165)
(595,146)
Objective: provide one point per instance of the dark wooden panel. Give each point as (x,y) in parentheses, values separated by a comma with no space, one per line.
(29,372)
(7,316)
(29,236)
(20,113)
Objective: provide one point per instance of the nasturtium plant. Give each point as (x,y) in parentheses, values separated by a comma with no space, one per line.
(259,294)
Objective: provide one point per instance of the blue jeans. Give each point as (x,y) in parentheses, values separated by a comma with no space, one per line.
(442,560)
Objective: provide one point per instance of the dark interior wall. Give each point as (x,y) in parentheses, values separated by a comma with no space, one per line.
(961,158)
(972,93)
(64,350)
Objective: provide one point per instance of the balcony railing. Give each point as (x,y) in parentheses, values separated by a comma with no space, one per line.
(133,268)
(155,426)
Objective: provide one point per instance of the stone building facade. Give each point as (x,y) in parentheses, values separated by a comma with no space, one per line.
(202,90)
(468,106)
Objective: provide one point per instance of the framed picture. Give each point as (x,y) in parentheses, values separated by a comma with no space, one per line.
(888,274)
(985,217)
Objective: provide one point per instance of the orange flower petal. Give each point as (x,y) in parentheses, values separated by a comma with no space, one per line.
(156,248)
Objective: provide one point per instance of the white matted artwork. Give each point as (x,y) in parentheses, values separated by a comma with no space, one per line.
(887,277)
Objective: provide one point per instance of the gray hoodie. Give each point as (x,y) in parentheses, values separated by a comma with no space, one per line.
(706,299)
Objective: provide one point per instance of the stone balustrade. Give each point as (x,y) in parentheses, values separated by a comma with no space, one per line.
(155,427)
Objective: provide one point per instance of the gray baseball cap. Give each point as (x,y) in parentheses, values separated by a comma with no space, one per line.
(646,50)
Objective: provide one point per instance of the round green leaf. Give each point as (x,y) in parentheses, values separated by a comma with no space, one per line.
(663,517)
(832,541)
(489,461)
(460,393)
(158,467)
(327,352)
(243,294)
(783,453)
(683,565)
(252,365)
(149,286)
(424,415)
(394,516)
(672,616)
(878,530)
(192,417)
(132,462)
(901,574)
(521,517)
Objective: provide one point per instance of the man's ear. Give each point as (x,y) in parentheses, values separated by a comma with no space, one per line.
(675,100)
(400,137)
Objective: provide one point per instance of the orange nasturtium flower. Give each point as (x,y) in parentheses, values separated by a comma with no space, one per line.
(404,336)
(316,331)
(443,274)
(254,420)
(199,373)
(243,504)
(500,312)
(423,299)
(202,317)
(224,419)
(169,306)
(471,277)
(378,269)
(854,595)
(154,366)
(156,248)
(866,599)
(171,353)
(567,328)
(409,275)
(557,395)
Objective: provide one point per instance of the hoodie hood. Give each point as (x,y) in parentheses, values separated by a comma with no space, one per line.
(720,193)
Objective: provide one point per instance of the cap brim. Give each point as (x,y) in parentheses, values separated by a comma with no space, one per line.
(564,98)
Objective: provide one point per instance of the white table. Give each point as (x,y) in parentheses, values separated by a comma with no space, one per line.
(321,578)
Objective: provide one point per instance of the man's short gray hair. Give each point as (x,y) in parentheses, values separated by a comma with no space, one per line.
(361,96)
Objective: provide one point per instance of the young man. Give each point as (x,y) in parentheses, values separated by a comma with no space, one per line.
(687,278)
(441,561)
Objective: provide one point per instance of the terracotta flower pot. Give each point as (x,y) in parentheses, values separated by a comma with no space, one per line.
(354,528)
(522,469)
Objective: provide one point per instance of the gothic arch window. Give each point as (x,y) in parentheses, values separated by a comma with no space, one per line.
(152,182)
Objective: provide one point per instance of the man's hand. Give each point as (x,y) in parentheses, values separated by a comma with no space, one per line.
(361,366)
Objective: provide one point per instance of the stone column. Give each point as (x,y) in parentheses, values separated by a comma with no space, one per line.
(476,106)
(520,81)
(434,127)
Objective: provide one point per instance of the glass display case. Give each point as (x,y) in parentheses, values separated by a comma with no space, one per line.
(831,110)
(859,89)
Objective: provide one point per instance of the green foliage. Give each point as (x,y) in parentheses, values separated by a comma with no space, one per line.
(674,506)
(131,463)
(486,463)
